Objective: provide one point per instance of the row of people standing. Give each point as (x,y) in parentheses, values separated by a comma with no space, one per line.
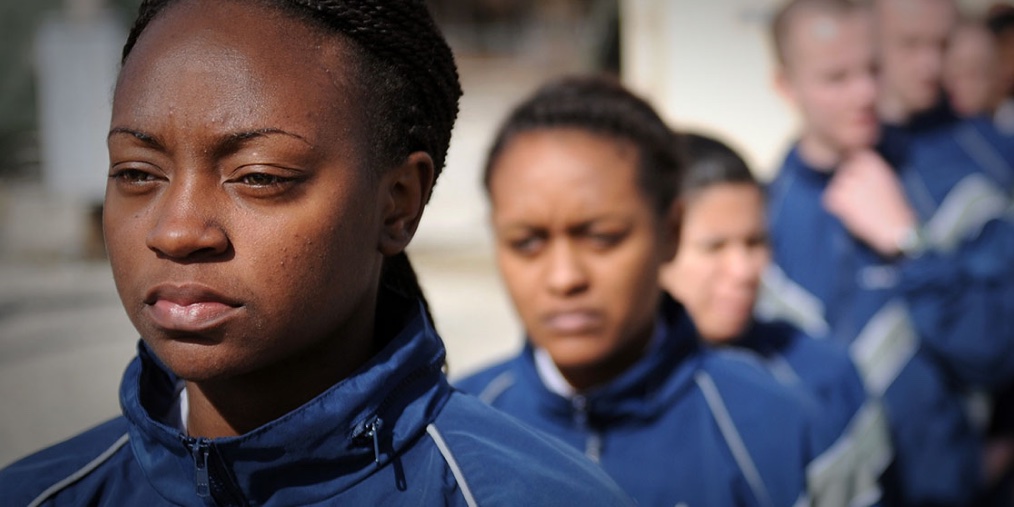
(890,228)
(891,238)
(256,226)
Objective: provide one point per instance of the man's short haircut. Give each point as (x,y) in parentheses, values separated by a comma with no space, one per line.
(788,14)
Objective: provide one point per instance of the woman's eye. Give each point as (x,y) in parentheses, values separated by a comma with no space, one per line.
(526,246)
(262,180)
(131,175)
(758,242)
(714,246)
(605,240)
(135,179)
(265,181)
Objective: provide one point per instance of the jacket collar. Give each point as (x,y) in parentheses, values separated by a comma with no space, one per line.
(313,453)
(797,167)
(645,390)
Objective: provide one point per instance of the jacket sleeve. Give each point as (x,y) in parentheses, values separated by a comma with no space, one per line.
(960,293)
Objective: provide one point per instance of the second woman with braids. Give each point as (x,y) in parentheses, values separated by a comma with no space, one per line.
(582,180)
(270,161)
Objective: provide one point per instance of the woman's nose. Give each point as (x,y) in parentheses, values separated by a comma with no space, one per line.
(186,227)
(566,275)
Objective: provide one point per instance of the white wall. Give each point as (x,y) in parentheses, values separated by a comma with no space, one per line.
(707,66)
(76,63)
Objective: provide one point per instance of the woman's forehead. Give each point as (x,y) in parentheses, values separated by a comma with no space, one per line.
(566,175)
(236,66)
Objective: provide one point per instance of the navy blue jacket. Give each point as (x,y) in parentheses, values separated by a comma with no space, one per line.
(435,446)
(683,426)
(942,136)
(922,331)
(857,446)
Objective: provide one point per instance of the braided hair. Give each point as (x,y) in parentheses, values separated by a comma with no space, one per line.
(401,61)
(601,105)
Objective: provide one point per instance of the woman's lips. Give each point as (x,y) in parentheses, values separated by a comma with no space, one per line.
(193,317)
(574,322)
(188,308)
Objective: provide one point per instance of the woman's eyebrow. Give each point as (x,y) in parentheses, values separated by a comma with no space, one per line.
(246,135)
(226,143)
(232,142)
(144,137)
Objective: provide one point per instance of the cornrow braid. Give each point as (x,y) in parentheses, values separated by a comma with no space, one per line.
(405,71)
(601,105)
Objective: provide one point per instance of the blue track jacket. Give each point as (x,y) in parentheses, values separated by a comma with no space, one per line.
(433,446)
(924,332)
(857,446)
(942,136)
(685,426)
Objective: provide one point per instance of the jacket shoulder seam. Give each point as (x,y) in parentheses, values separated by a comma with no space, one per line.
(448,456)
(81,472)
(497,386)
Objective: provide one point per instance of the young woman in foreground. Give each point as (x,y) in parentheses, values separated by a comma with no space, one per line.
(582,179)
(270,161)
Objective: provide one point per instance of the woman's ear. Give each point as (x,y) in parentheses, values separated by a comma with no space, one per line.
(672,222)
(404,191)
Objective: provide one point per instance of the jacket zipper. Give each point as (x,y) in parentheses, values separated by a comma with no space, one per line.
(593,444)
(200,448)
(371,430)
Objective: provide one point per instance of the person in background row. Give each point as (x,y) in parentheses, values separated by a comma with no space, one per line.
(863,257)
(1000,21)
(717,273)
(968,169)
(913,36)
(971,75)
(256,226)
(582,179)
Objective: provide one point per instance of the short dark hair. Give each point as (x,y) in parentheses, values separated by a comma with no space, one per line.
(601,105)
(712,162)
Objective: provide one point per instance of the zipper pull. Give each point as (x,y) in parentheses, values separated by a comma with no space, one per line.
(580,405)
(200,449)
(593,443)
(373,430)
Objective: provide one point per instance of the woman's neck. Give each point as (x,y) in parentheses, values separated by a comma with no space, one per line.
(237,405)
(588,377)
